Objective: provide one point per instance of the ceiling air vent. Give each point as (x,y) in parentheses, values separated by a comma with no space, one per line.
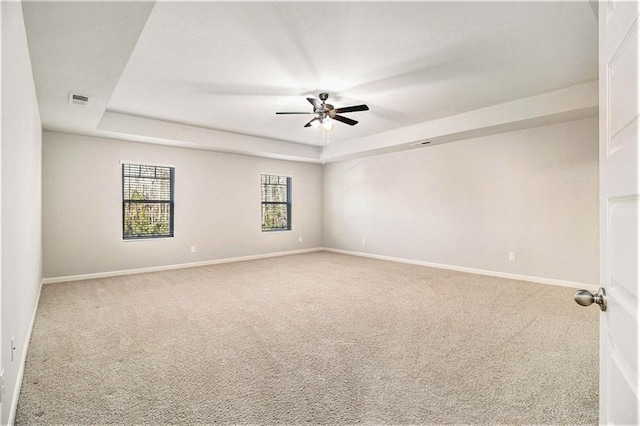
(420,143)
(74,98)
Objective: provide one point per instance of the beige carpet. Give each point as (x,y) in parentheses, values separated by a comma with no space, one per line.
(316,338)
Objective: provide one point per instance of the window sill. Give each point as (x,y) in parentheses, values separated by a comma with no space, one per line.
(128,240)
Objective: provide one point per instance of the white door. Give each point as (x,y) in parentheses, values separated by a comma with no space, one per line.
(619,211)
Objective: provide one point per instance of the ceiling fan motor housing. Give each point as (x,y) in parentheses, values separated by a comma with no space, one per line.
(326,108)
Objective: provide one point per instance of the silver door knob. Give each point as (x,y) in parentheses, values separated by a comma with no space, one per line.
(586,298)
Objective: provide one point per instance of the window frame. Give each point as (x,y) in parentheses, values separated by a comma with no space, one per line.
(288,203)
(170,202)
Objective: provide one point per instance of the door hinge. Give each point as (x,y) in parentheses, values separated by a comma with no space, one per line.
(1,385)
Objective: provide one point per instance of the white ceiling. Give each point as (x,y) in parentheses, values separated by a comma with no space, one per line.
(228,67)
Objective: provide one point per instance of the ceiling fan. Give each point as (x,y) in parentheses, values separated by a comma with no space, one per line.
(326,113)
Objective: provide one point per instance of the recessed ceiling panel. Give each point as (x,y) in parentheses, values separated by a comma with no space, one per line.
(231,66)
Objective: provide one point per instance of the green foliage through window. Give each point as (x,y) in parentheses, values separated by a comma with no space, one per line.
(147,201)
(276,203)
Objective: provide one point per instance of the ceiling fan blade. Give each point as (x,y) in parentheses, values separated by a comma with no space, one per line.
(294,113)
(316,103)
(352,109)
(309,123)
(345,120)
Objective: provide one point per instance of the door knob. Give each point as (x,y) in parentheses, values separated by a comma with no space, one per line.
(586,298)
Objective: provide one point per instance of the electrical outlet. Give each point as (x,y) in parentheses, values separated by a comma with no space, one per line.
(13,348)
(299,239)
(193,249)
(364,242)
(512,256)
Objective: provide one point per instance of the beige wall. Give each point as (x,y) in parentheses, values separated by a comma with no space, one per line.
(465,204)
(21,205)
(532,192)
(217,206)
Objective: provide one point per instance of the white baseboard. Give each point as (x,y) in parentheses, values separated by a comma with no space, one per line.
(23,361)
(176,266)
(540,280)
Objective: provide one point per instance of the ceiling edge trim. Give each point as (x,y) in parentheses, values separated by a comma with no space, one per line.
(167,133)
(566,104)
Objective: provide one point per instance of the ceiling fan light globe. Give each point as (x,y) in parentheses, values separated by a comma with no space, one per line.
(315,124)
(327,123)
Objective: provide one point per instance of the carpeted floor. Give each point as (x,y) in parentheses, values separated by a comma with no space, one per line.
(316,338)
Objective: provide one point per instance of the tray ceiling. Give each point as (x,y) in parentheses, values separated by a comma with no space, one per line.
(228,67)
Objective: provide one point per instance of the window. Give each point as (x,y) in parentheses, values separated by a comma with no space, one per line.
(147,201)
(276,203)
